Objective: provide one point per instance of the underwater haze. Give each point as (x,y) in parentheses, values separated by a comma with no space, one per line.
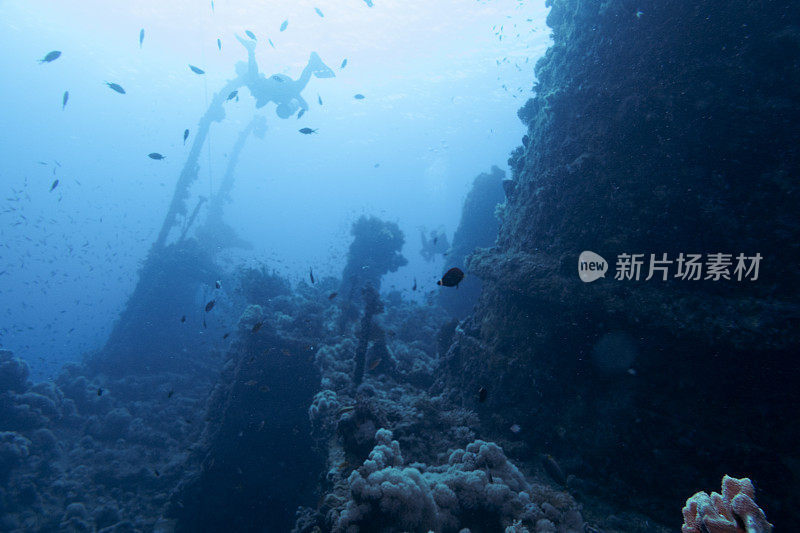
(381,266)
(438,108)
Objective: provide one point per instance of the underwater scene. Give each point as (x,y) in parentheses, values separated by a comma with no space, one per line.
(366,266)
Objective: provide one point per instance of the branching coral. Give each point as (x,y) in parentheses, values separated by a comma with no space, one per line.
(733,511)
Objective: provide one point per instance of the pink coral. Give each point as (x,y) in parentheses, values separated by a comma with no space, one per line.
(734,511)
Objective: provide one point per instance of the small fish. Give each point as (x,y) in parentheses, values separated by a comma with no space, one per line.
(205,326)
(332,295)
(54,185)
(218,284)
(100,392)
(219,44)
(116,87)
(284,25)
(141,37)
(256,327)
(639,13)
(212,6)
(319,12)
(156,472)
(307,131)
(482,394)
(264,388)
(250,34)
(346,409)
(414,287)
(319,98)
(170,393)
(489,475)
(251,382)
(375,363)
(344,63)
(359,96)
(451,278)
(156,156)
(553,469)
(270,43)
(232,95)
(515,428)
(311,275)
(183,319)
(64,100)
(277,78)
(301,113)
(226,336)
(368,2)
(50,57)
(210,305)
(197,70)
(376,165)
(185,136)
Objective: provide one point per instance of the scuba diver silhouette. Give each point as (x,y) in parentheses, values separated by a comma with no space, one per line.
(279,88)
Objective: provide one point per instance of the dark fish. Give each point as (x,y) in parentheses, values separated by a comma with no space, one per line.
(482,394)
(553,469)
(489,475)
(117,87)
(451,278)
(141,37)
(64,100)
(156,156)
(306,131)
(232,95)
(301,113)
(277,78)
(170,393)
(183,318)
(319,12)
(226,336)
(415,285)
(332,295)
(358,96)
(156,472)
(376,165)
(197,70)
(375,363)
(319,98)
(219,44)
(217,284)
(185,135)
(256,327)
(54,185)
(311,275)
(205,326)
(100,392)
(344,63)
(435,239)
(284,25)
(210,305)
(250,34)
(270,43)
(50,57)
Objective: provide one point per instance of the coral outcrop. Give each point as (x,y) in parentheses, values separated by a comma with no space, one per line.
(733,511)
(476,229)
(656,128)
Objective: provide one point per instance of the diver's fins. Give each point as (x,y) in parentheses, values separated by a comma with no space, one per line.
(318,68)
(249,45)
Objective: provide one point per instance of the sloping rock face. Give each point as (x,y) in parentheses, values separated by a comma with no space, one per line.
(657,128)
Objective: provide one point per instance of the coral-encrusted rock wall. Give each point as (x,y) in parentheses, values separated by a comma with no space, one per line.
(657,127)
